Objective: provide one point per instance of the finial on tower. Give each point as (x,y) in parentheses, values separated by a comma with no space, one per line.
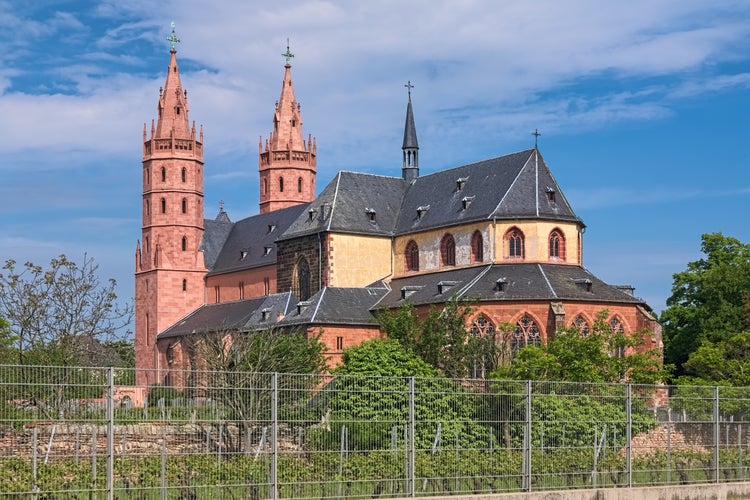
(287,55)
(536,135)
(409,86)
(173,40)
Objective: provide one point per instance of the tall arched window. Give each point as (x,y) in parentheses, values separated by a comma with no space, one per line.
(582,325)
(184,174)
(184,243)
(526,334)
(163,174)
(618,342)
(514,237)
(448,250)
(281,184)
(148,208)
(301,279)
(481,361)
(163,205)
(477,247)
(556,245)
(265,186)
(184,285)
(412,256)
(299,184)
(184,206)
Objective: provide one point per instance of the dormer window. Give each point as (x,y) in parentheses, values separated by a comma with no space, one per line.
(460,183)
(409,290)
(501,284)
(267,250)
(370,214)
(271,228)
(265,314)
(466,201)
(551,195)
(422,210)
(583,283)
(302,305)
(311,214)
(243,254)
(444,286)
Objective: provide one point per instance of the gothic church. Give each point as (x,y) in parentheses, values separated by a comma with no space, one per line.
(499,232)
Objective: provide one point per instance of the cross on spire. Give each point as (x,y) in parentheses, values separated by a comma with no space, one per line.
(288,55)
(172,39)
(536,135)
(409,86)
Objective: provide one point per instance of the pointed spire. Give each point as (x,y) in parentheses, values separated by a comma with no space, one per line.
(173,107)
(287,134)
(410,148)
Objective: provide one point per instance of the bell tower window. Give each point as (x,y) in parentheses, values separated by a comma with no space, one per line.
(184,206)
(184,243)
(281,184)
(184,175)
(163,174)
(163,205)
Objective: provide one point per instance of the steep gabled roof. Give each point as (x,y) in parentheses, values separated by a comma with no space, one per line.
(511,186)
(505,282)
(251,242)
(215,234)
(336,306)
(349,203)
(240,315)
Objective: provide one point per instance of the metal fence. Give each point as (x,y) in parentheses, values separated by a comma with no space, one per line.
(70,432)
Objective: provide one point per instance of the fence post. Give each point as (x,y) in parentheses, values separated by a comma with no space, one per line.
(274,436)
(110,432)
(716,433)
(629,432)
(411,472)
(527,441)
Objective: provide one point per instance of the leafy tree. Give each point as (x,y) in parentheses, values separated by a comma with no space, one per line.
(442,338)
(708,300)
(60,315)
(6,342)
(370,396)
(570,356)
(725,362)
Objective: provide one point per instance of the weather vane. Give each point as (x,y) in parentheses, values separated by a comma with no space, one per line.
(409,86)
(172,39)
(288,55)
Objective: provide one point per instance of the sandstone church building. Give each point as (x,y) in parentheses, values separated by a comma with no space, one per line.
(498,232)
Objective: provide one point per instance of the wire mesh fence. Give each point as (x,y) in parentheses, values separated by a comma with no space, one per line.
(69,432)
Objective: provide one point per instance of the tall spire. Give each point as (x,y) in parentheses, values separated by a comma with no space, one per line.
(172,106)
(410,148)
(287,162)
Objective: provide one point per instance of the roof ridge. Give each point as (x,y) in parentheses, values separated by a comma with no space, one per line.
(444,170)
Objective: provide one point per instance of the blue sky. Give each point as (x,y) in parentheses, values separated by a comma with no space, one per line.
(643,108)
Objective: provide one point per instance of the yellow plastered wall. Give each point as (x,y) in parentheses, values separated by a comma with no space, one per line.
(536,240)
(358,260)
(429,246)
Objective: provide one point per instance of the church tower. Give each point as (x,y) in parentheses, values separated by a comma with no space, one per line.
(169,269)
(287,164)
(410,148)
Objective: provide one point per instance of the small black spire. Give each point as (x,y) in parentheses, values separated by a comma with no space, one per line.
(410,148)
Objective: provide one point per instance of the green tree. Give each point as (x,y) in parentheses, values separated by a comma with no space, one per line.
(708,299)
(61,315)
(6,342)
(724,362)
(442,338)
(570,356)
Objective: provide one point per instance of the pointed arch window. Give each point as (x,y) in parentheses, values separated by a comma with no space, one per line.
(299,184)
(556,245)
(184,174)
(184,205)
(618,349)
(526,334)
(148,208)
(582,325)
(482,339)
(281,184)
(163,174)
(515,240)
(448,250)
(163,205)
(184,243)
(412,256)
(301,279)
(265,186)
(184,285)
(477,247)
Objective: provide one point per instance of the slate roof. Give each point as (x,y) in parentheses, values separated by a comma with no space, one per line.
(508,187)
(215,234)
(239,315)
(336,306)
(520,282)
(251,243)
(410,131)
(346,204)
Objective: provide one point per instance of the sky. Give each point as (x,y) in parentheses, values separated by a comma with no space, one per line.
(642,107)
